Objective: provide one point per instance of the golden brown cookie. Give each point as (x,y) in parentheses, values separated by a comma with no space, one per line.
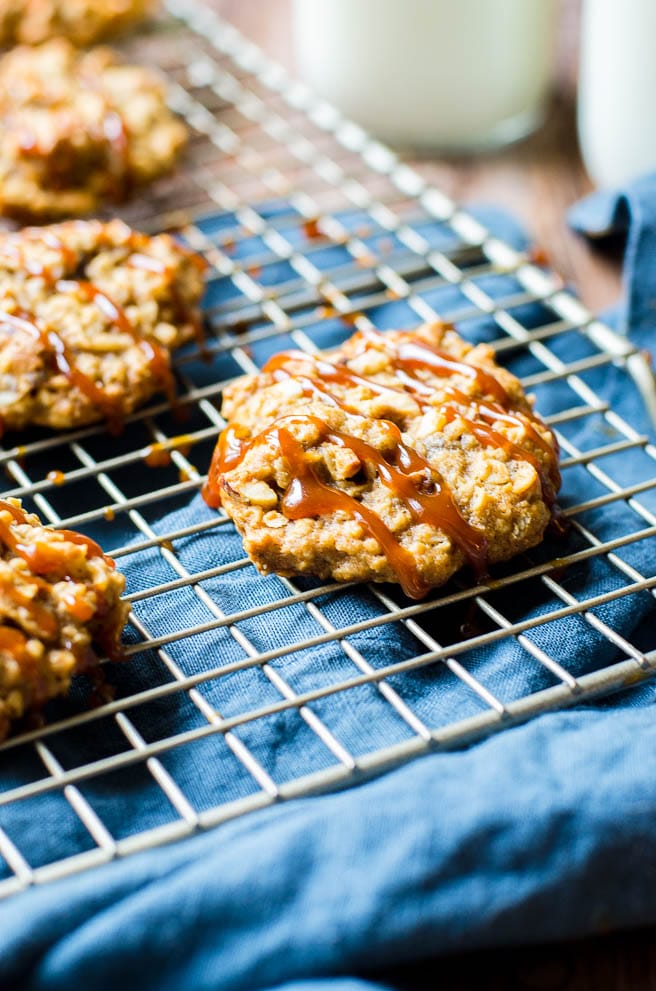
(83,22)
(59,597)
(79,129)
(89,312)
(399,457)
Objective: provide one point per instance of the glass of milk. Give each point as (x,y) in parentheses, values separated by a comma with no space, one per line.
(450,75)
(617,89)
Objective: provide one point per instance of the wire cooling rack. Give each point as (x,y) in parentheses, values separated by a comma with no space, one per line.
(310,229)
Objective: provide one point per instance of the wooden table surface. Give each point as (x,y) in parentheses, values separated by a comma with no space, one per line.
(537,180)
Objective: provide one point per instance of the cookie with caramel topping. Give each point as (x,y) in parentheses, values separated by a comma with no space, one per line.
(89,313)
(79,129)
(60,601)
(83,22)
(400,457)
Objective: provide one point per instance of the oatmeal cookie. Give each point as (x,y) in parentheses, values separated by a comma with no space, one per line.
(59,596)
(81,21)
(88,315)
(399,457)
(78,129)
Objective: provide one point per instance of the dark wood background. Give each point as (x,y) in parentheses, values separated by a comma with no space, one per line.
(537,180)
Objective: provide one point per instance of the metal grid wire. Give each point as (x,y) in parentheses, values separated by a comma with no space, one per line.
(309,225)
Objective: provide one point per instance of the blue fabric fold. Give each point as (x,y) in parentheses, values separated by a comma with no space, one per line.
(541,831)
(629,214)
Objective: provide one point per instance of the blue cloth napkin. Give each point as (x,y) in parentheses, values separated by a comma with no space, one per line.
(541,831)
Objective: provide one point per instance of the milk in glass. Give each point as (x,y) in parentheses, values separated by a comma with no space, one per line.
(617,89)
(454,75)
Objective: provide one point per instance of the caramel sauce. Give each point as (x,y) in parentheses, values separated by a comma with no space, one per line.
(157,355)
(94,549)
(183,313)
(13,642)
(455,406)
(115,133)
(68,255)
(55,348)
(53,344)
(187,475)
(307,496)
(325,371)
(311,228)
(47,558)
(325,312)
(491,413)
(158,455)
(41,616)
(56,477)
(77,605)
(416,355)
(351,319)
(43,558)
(228,452)
(403,471)
(112,130)
(408,475)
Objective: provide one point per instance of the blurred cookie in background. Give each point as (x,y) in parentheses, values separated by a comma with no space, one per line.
(78,129)
(81,21)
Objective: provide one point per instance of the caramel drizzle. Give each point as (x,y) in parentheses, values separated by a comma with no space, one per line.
(42,558)
(486,411)
(409,357)
(183,312)
(55,348)
(406,474)
(157,356)
(114,132)
(414,355)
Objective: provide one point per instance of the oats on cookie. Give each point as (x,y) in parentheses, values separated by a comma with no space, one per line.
(89,313)
(83,22)
(59,598)
(399,457)
(79,129)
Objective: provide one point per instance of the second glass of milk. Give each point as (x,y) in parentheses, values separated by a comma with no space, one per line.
(453,75)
